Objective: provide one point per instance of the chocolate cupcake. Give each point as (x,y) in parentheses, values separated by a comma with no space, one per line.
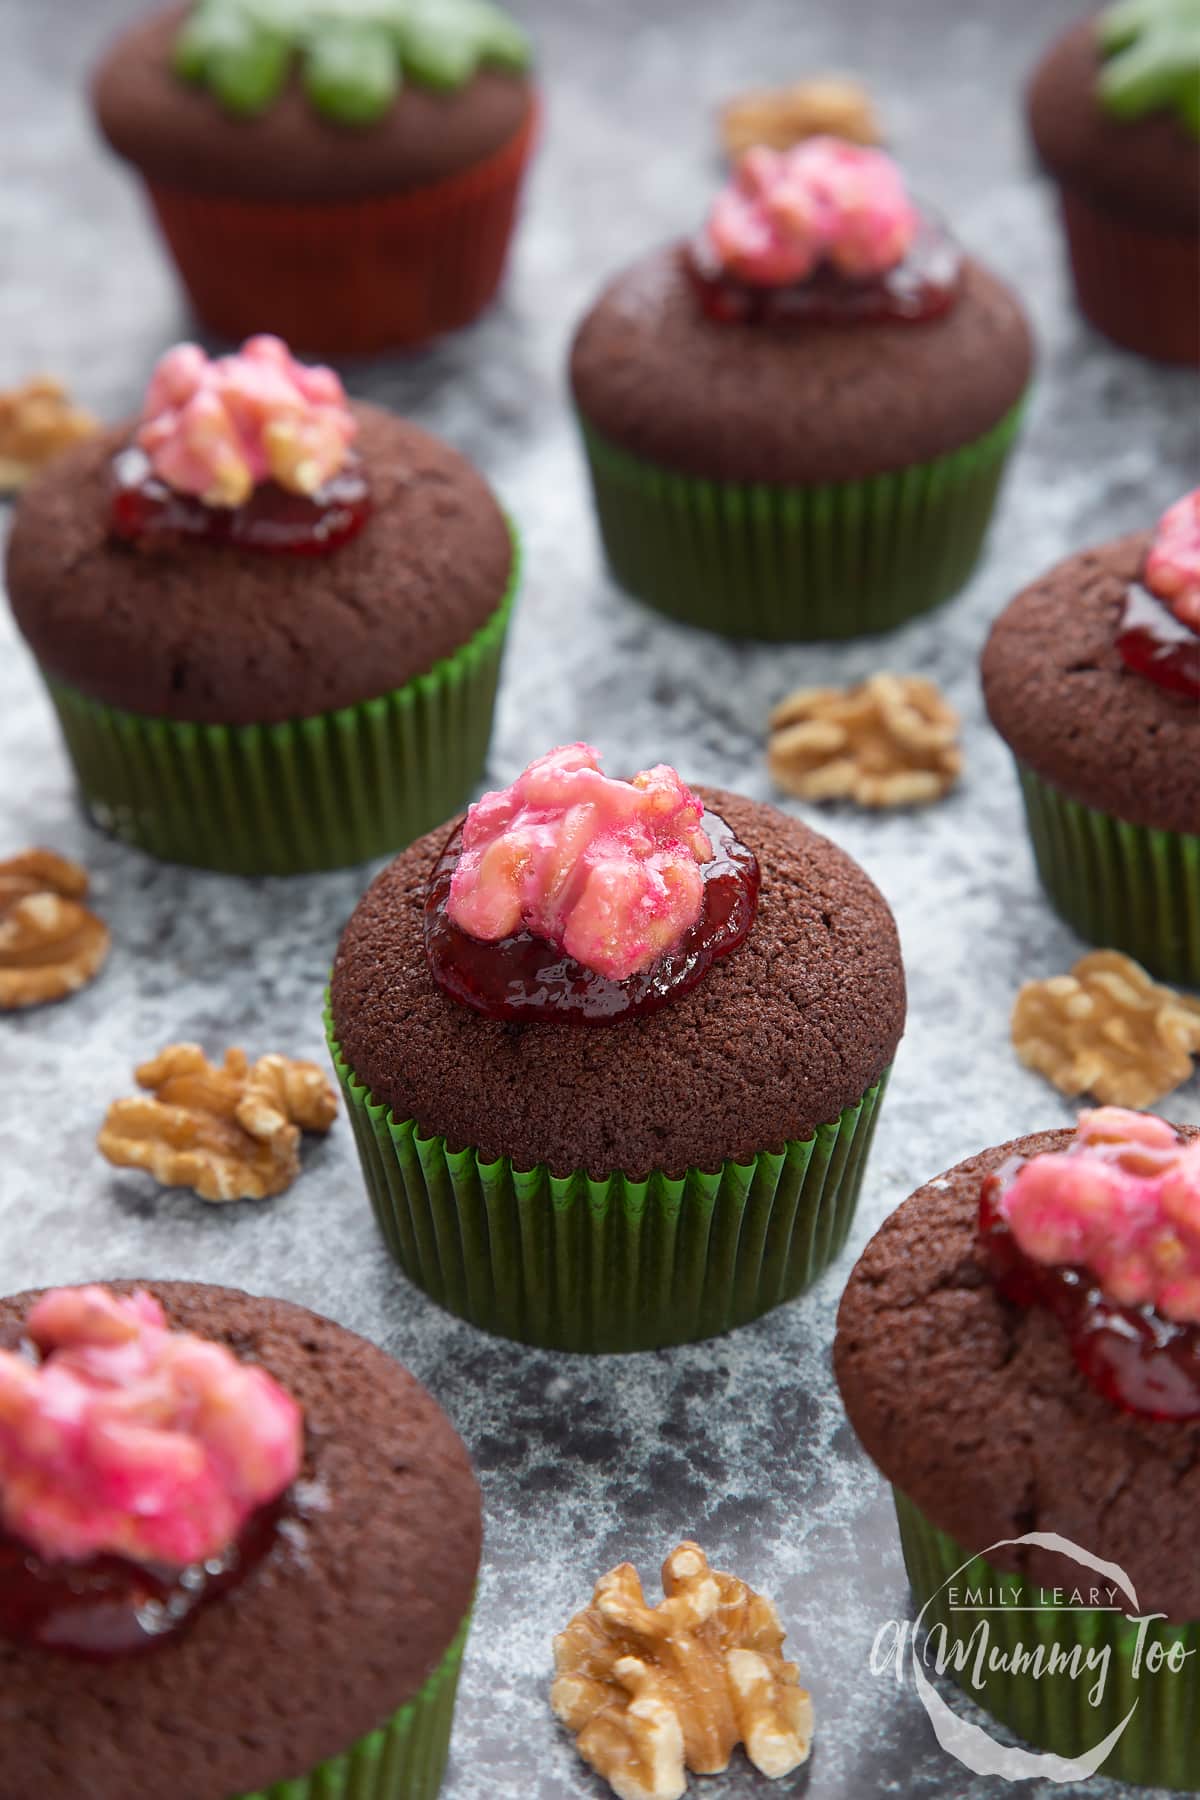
(1114,108)
(346,176)
(237,1554)
(1092,677)
(270,620)
(613,1052)
(796,424)
(1019,1352)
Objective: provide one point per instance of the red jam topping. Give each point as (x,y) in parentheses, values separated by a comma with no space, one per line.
(251,449)
(922,287)
(109,1606)
(144,508)
(1106,1236)
(821,233)
(140,1471)
(575,898)
(1154,643)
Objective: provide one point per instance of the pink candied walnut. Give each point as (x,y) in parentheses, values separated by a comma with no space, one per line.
(217,428)
(134,1440)
(787,211)
(608,871)
(1122,1202)
(1172,569)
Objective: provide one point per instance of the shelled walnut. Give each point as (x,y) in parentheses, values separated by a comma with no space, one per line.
(1107,1029)
(892,740)
(781,116)
(38,420)
(653,1691)
(229,1133)
(50,944)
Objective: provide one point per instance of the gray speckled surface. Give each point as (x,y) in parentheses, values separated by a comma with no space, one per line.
(742,1442)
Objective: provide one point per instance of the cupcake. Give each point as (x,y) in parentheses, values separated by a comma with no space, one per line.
(1092,677)
(270,619)
(1114,108)
(1019,1353)
(796,423)
(613,1053)
(238,1547)
(347,176)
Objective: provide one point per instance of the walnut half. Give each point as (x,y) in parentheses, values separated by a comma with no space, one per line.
(653,1691)
(230,1133)
(50,944)
(890,741)
(782,116)
(1107,1029)
(37,421)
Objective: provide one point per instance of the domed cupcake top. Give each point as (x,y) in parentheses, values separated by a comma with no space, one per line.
(219,427)
(1151,52)
(1106,1234)
(251,449)
(353,56)
(786,211)
(1159,631)
(822,233)
(572,895)
(121,1437)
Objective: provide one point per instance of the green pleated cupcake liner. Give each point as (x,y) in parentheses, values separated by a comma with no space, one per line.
(1160,1746)
(403,1760)
(340,787)
(797,564)
(572,1263)
(1127,887)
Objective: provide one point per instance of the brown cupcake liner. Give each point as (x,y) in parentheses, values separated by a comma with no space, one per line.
(349,276)
(1138,285)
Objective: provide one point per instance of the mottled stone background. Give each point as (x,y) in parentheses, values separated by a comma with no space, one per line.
(741,1443)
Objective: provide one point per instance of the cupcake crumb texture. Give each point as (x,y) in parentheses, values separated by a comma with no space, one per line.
(50,944)
(889,741)
(218,427)
(607,870)
(652,1692)
(130,1439)
(1107,1029)
(228,1133)
(786,212)
(1172,569)
(1122,1201)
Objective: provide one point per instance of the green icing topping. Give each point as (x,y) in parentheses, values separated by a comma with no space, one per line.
(1152,59)
(353,54)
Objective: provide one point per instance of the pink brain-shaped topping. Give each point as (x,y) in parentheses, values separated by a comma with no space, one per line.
(1172,568)
(218,427)
(609,871)
(1122,1202)
(132,1439)
(786,211)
